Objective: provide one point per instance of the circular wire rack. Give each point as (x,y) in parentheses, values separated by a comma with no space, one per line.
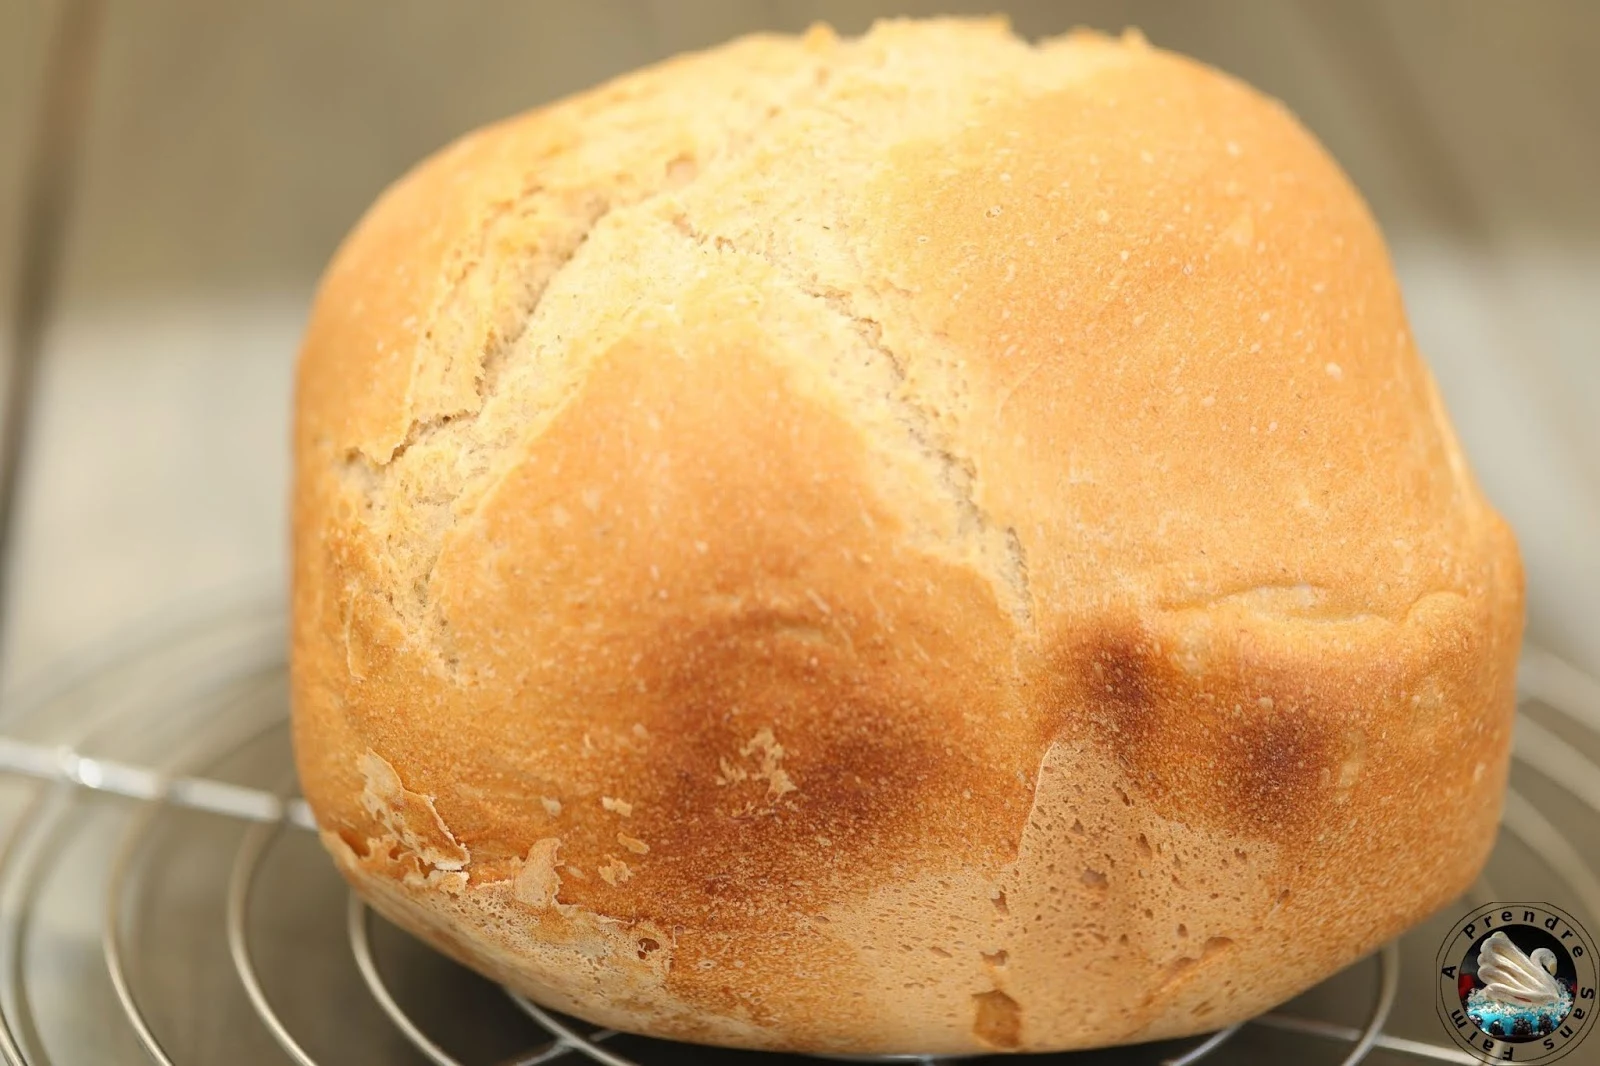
(161,900)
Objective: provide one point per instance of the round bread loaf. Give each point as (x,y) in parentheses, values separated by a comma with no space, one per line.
(920,543)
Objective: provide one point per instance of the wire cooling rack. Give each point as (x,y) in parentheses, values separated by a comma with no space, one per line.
(161,899)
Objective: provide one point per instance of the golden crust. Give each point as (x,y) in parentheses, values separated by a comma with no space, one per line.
(837,545)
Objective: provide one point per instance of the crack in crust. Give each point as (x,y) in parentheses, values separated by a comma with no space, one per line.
(441,494)
(448,459)
(498,343)
(1305,602)
(957,473)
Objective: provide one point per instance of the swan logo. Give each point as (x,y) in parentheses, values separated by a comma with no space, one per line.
(1517,983)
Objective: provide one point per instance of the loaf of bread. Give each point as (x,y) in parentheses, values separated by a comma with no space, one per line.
(922,543)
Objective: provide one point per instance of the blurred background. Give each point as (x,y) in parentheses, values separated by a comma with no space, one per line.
(225,148)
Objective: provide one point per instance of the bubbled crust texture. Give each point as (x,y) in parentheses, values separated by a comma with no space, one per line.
(922,543)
